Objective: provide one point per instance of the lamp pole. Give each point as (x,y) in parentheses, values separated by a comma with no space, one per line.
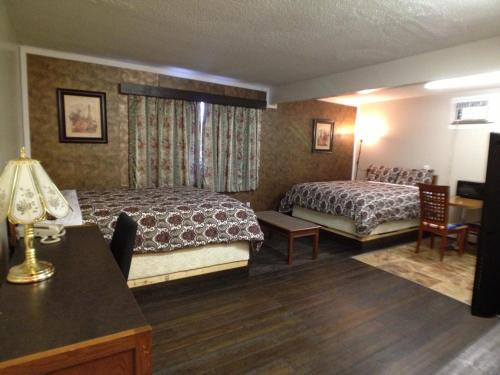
(359,156)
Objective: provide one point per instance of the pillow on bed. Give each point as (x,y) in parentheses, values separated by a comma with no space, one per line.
(383,174)
(373,172)
(415,176)
(389,175)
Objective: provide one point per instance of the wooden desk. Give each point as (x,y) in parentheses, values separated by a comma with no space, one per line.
(84,320)
(467,203)
(292,227)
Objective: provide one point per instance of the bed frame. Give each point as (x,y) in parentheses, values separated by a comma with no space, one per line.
(189,273)
(377,241)
(370,237)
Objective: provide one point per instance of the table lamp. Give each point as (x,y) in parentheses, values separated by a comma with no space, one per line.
(27,195)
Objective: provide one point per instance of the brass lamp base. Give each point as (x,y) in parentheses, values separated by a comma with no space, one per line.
(30,273)
(31,270)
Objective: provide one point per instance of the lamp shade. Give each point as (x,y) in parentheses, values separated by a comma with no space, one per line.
(27,194)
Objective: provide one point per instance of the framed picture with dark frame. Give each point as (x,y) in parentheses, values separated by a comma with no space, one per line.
(82,116)
(322,135)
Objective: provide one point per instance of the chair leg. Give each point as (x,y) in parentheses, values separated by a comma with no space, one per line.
(419,240)
(466,239)
(444,244)
(432,240)
(463,242)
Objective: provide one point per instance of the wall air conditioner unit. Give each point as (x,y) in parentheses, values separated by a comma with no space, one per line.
(473,110)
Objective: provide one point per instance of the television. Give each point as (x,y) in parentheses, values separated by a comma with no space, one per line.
(486,293)
(470,189)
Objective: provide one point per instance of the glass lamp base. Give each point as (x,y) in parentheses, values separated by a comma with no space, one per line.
(30,273)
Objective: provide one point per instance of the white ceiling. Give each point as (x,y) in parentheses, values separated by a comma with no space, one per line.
(384,94)
(404,92)
(273,42)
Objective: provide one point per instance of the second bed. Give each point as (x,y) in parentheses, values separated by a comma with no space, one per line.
(181,232)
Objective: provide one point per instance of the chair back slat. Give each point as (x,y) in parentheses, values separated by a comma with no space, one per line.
(434,204)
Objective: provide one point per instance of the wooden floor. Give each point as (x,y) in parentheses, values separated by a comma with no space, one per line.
(334,315)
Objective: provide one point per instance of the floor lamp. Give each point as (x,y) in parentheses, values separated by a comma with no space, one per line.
(359,157)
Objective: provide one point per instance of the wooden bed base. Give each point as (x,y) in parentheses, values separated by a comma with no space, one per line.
(370,237)
(376,241)
(184,274)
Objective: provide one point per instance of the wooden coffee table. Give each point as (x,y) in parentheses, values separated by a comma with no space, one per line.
(292,227)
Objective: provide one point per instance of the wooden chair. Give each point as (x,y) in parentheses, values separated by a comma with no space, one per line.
(434,208)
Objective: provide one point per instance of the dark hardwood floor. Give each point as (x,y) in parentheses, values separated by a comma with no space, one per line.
(334,315)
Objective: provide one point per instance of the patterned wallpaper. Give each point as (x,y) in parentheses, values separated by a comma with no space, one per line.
(286,156)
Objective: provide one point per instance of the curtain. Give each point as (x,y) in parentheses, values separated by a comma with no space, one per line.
(164,138)
(231,148)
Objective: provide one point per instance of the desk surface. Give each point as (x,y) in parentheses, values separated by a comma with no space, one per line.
(86,299)
(470,204)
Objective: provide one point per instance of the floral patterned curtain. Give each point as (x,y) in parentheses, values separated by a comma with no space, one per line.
(164,137)
(231,148)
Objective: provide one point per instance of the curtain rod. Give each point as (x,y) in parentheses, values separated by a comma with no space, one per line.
(192,96)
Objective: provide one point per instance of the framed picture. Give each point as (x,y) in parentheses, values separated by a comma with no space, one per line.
(323,135)
(82,116)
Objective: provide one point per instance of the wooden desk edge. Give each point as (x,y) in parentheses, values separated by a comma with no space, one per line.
(49,360)
(468,203)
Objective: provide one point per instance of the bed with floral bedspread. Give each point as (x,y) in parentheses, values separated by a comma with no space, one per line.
(172,218)
(367,203)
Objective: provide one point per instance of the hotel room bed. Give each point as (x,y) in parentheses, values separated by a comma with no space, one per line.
(363,210)
(181,231)
(358,208)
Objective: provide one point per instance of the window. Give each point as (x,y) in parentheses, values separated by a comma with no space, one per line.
(185,143)
(201,117)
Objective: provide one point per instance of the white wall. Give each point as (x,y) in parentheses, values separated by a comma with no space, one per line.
(416,132)
(10,107)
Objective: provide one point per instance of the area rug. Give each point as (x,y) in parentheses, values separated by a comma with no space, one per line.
(453,277)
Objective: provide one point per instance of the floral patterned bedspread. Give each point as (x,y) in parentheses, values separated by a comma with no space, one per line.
(172,218)
(368,204)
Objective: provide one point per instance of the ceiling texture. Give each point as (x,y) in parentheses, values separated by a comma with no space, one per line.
(270,42)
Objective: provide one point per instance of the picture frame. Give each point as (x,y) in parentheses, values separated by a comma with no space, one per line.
(82,116)
(323,135)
